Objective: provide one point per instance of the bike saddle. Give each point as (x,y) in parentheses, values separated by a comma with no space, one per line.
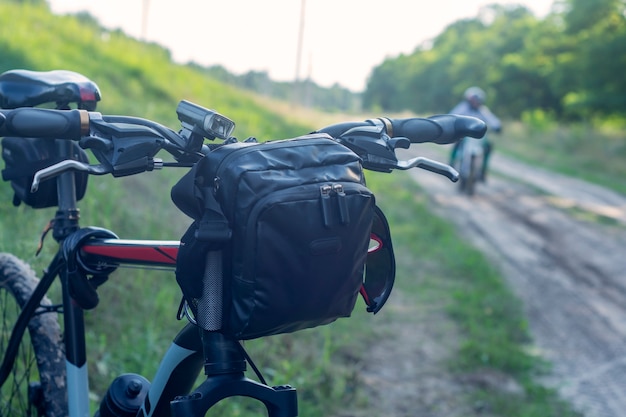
(24,88)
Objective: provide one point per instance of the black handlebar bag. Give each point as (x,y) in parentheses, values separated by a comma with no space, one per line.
(293,219)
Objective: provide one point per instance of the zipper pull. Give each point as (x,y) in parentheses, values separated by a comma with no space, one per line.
(325,191)
(342,202)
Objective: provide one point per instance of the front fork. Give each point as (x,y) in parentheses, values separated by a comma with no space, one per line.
(176,374)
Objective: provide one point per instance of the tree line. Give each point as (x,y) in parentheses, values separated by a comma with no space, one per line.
(306,92)
(570,64)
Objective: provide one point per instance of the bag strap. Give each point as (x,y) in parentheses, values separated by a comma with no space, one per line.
(213,226)
(380,266)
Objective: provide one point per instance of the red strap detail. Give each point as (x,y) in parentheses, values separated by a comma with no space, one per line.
(364,295)
(378,246)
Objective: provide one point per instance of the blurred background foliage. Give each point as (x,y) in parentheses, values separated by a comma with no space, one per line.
(568,64)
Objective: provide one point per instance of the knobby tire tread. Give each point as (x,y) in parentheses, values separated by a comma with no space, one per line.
(18,281)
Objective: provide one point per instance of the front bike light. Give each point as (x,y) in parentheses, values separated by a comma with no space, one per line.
(204,122)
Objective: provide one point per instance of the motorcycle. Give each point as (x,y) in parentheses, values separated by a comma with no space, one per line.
(470,163)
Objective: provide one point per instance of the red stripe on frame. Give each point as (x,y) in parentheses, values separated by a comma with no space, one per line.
(156,254)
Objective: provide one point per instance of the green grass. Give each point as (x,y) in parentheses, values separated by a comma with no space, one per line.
(591,151)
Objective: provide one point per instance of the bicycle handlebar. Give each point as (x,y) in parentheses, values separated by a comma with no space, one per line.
(127,145)
(375,140)
(441,129)
(45,123)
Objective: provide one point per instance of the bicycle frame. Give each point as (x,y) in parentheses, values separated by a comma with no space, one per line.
(183,360)
(148,253)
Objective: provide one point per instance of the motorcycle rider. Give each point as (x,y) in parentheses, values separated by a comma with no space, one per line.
(473,104)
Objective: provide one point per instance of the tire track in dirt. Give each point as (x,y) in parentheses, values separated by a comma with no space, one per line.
(570,273)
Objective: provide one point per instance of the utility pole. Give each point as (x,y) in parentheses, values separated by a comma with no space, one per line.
(144,19)
(296,84)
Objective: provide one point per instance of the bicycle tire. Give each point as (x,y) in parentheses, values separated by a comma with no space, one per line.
(36,385)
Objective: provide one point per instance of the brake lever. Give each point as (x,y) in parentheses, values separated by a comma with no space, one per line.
(378,154)
(65,166)
(376,148)
(429,165)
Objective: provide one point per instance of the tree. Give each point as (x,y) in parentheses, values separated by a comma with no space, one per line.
(570,63)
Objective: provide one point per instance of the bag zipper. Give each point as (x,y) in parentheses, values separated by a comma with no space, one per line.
(267,145)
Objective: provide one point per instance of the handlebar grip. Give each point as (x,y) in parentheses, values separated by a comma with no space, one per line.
(442,129)
(45,123)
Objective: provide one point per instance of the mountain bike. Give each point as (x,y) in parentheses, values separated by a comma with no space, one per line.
(44,370)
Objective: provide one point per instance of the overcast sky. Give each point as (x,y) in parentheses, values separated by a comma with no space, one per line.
(342,40)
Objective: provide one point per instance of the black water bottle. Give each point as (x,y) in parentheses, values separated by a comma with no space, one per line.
(124,397)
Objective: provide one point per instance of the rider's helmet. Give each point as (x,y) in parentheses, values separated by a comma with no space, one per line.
(475,96)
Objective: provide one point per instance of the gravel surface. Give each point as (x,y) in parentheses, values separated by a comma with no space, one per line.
(560,244)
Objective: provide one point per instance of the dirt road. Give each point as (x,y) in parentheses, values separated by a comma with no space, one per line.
(561,244)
